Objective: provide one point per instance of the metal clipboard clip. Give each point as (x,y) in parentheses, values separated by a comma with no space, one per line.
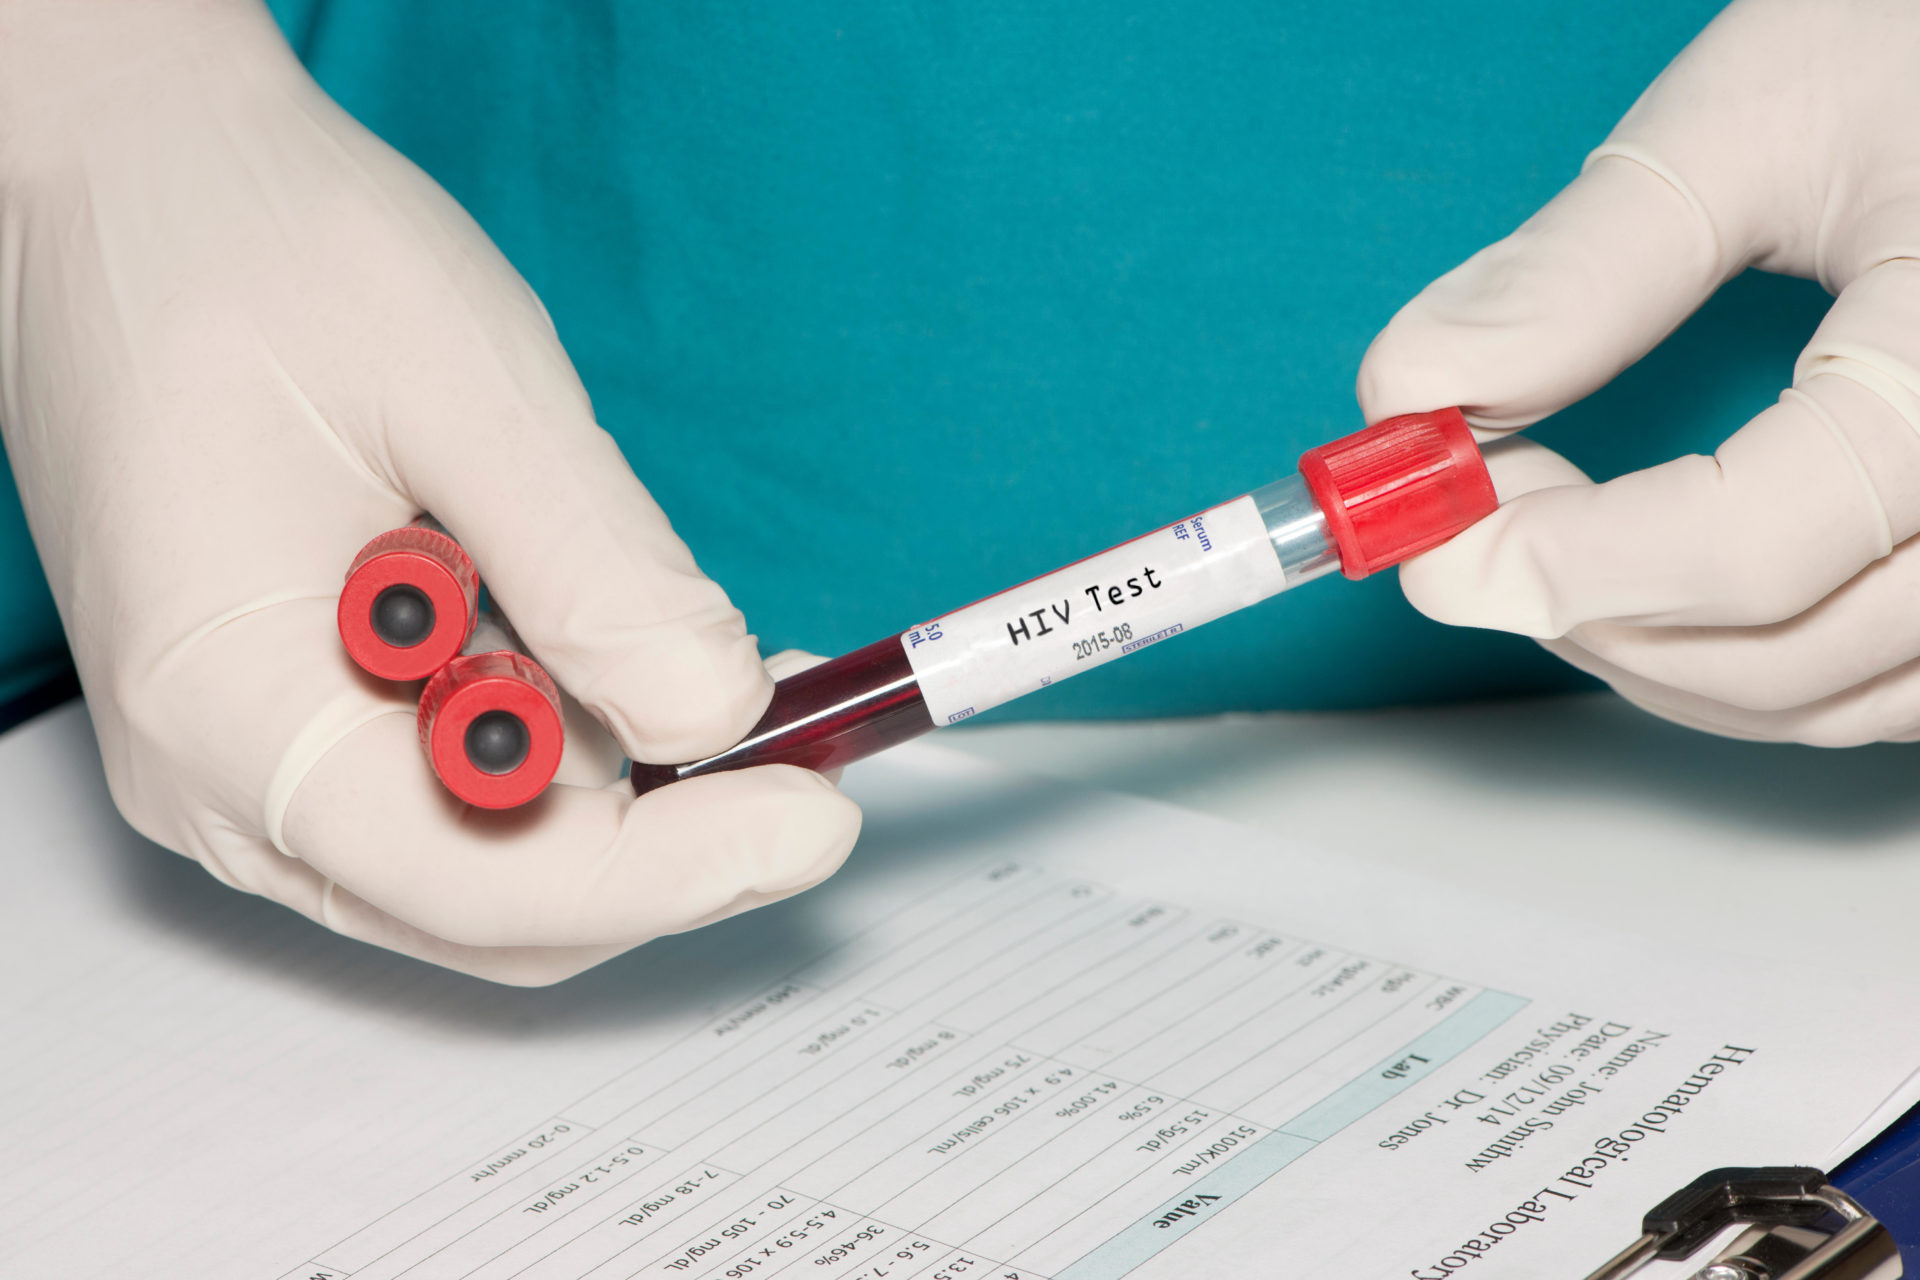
(1802,1227)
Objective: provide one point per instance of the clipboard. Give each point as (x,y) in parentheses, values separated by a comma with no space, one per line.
(1800,1224)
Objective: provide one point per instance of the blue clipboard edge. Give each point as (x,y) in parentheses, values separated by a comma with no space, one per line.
(1884,1175)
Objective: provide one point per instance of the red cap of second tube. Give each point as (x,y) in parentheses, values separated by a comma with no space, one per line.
(410,601)
(1398,488)
(490,723)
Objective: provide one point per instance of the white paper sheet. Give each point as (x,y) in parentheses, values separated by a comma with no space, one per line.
(1031,1032)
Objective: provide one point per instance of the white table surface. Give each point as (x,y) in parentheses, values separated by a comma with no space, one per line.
(1582,804)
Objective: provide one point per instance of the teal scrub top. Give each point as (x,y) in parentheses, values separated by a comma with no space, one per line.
(894,305)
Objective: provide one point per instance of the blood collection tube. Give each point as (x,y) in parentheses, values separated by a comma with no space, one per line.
(1358,505)
(489,720)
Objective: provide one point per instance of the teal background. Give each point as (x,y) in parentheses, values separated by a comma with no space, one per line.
(894,305)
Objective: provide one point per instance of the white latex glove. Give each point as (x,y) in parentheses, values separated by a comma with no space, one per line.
(1766,592)
(238,337)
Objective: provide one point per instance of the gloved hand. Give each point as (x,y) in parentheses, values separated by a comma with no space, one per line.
(1767,592)
(238,337)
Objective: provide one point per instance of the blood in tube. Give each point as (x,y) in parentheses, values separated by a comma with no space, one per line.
(1358,505)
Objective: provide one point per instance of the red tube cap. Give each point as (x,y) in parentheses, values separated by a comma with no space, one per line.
(409,604)
(1398,488)
(490,723)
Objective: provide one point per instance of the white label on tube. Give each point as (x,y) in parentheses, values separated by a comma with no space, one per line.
(1099,609)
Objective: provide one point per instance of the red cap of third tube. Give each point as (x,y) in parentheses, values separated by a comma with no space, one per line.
(1398,488)
(490,723)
